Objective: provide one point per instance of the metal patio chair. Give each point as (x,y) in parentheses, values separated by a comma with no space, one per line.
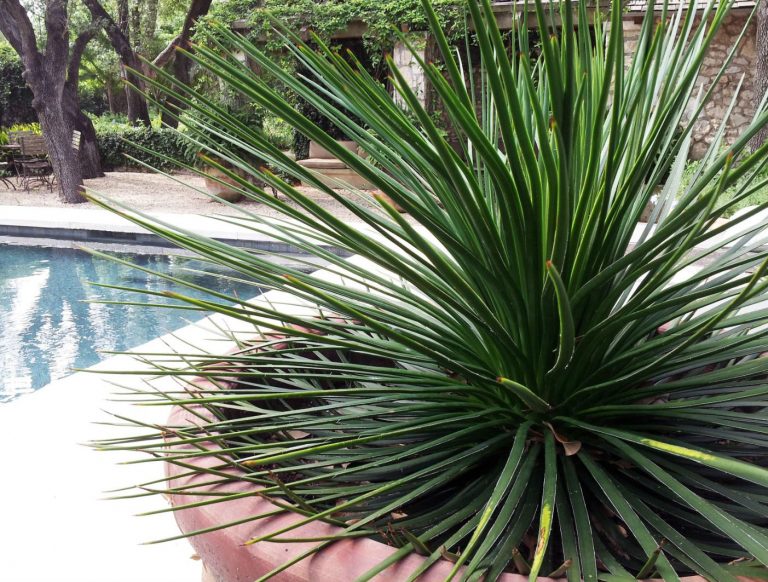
(76,139)
(7,167)
(33,166)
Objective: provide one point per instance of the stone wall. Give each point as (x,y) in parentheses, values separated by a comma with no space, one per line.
(408,64)
(743,63)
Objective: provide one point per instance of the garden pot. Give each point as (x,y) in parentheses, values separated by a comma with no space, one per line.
(389,200)
(222,186)
(223,552)
(226,559)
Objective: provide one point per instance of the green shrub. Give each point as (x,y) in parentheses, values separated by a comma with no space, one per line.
(756,198)
(214,138)
(278,132)
(93,99)
(118,143)
(110,122)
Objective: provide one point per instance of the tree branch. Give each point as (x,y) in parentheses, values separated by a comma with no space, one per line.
(18,30)
(117,39)
(57,32)
(137,105)
(76,54)
(167,54)
(197,9)
(8,27)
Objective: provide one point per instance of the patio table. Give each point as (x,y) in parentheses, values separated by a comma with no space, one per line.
(7,163)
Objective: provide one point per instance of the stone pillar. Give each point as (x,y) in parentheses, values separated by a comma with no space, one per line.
(744,64)
(406,61)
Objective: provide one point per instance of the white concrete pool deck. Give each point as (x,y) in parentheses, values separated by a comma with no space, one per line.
(55,523)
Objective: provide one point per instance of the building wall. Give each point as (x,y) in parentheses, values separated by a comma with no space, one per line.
(743,63)
(408,64)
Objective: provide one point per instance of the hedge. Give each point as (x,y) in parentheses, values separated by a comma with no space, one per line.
(117,142)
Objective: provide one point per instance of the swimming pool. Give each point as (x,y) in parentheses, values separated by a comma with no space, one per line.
(47,328)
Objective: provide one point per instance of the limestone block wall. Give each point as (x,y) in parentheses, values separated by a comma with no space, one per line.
(408,64)
(743,64)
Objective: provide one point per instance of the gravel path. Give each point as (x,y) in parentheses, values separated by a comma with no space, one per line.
(156,193)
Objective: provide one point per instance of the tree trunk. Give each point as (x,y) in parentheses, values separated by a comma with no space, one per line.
(182,66)
(110,97)
(58,138)
(138,112)
(46,73)
(90,158)
(181,72)
(123,24)
(88,153)
(761,74)
(148,24)
(135,20)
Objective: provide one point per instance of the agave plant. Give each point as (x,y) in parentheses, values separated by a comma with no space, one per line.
(514,375)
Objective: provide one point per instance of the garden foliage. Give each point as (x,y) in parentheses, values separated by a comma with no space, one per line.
(124,146)
(15,96)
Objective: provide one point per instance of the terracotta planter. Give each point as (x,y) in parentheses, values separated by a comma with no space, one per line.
(227,560)
(388,198)
(228,190)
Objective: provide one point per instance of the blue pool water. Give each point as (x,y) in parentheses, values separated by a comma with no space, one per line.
(47,328)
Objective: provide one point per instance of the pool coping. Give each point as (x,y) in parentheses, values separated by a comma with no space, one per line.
(92,225)
(95,225)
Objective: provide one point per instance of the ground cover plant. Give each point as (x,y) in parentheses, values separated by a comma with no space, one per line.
(505,377)
(129,147)
(757,197)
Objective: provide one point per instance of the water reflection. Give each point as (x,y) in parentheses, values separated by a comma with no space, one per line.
(47,329)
